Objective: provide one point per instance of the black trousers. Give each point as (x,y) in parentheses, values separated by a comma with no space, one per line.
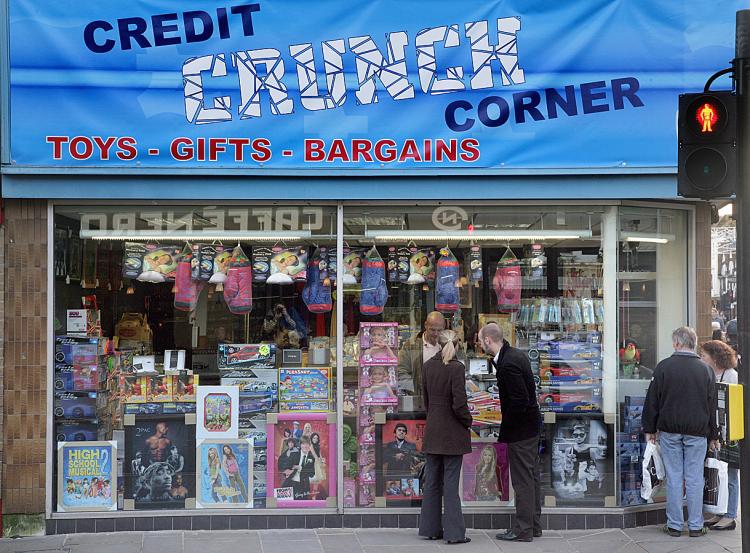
(523,458)
(442,474)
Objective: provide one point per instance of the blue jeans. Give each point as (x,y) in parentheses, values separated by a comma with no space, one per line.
(734,492)
(683,457)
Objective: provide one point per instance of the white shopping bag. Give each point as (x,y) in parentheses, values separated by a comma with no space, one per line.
(716,486)
(653,471)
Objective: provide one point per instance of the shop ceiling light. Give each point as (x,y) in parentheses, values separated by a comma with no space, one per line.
(229,235)
(528,235)
(650,237)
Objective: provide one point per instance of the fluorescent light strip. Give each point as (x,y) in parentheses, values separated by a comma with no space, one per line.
(477,235)
(646,237)
(124,235)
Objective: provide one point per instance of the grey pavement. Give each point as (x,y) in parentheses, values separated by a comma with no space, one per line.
(637,540)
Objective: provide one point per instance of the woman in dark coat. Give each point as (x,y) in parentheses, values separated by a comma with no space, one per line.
(446,440)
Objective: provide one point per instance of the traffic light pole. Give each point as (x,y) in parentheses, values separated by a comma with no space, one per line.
(742,79)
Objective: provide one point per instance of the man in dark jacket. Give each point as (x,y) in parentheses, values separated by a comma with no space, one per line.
(519,429)
(680,406)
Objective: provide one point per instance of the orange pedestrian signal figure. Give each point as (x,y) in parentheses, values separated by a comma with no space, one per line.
(707,117)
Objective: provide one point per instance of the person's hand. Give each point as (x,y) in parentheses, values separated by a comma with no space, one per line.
(715,445)
(399,456)
(287,472)
(651,438)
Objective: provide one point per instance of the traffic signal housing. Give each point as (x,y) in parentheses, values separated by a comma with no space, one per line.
(707,135)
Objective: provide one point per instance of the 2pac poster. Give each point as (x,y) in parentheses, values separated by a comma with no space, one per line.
(87,476)
(159,465)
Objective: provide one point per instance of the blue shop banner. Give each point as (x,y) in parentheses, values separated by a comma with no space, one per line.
(380,84)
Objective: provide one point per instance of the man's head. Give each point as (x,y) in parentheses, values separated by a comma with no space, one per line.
(162,428)
(433,324)
(491,338)
(684,339)
(304,444)
(400,431)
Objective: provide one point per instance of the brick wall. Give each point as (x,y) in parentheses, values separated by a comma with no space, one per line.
(25,367)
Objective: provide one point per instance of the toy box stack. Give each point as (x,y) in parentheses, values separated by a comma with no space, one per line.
(630,446)
(79,362)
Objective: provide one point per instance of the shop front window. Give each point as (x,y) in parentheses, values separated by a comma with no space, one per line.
(194,345)
(535,271)
(652,283)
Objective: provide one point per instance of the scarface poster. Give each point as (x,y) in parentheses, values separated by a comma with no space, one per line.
(581,461)
(399,458)
(159,465)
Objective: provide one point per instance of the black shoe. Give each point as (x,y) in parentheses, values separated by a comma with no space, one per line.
(438,537)
(455,542)
(537,533)
(698,533)
(510,535)
(672,532)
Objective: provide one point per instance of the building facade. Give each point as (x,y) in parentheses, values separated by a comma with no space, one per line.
(225,229)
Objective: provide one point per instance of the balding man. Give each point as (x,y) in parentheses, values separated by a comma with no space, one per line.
(520,428)
(415,352)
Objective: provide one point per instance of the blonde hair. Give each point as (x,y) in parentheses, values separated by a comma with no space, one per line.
(448,339)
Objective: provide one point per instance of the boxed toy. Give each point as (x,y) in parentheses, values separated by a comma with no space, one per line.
(183,387)
(76,378)
(251,356)
(158,388)
(84,322)
(132,388)
(76,432)
(74,350)
(75,406)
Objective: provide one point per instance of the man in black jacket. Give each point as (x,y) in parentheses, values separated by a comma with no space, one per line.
(520,426)
(681,406)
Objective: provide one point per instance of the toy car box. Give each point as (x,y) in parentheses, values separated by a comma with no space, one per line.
(75,406)
(251,356)
(76,378)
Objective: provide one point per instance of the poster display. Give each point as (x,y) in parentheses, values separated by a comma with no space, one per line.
(87,476)
(159,464)
(581,460)
(217,409)
(302,468)
(398,459)
(225,474)
(485,474)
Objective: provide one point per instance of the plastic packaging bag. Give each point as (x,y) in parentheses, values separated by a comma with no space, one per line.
(653,471)
(716,486)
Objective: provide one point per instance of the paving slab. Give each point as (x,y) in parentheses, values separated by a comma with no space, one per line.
(36,543)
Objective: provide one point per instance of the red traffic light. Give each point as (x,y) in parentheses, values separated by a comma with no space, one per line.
(707,116)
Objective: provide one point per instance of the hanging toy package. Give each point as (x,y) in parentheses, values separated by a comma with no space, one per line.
(352,272)
(220,266)
(507,283)
(374,289)
(316,295)
(402,259)
(421,266)
(186,290)
(392,264)
(446,284)
(238,288)
(288,265)
(475,264)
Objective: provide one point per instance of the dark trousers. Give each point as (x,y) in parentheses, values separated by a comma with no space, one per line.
(523,458)
(442,474)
